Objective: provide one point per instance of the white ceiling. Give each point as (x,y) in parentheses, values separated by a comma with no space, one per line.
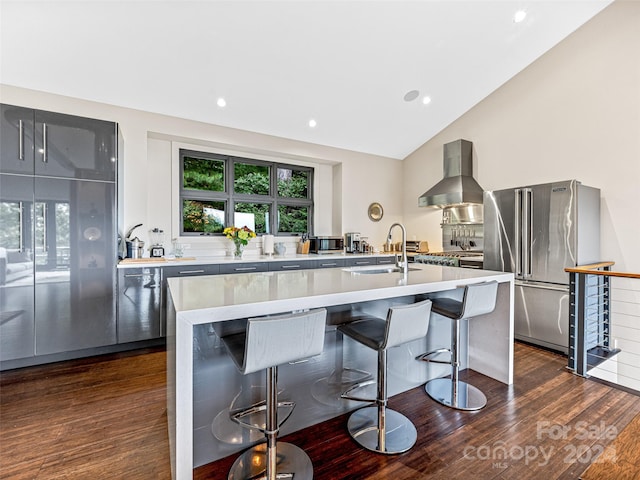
(346,64)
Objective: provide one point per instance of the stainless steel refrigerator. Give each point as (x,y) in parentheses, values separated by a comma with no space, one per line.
(536,232)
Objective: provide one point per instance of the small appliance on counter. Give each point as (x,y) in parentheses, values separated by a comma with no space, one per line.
(352,242)
(135,246)
(323,245)
(156,249)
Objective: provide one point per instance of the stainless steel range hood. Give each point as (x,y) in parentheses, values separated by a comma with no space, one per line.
(458,185)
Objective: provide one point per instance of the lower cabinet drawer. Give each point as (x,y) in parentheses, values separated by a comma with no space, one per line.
(331,263)
(387,260)
(290,265)
(356,262)
(190,270)
(244,267)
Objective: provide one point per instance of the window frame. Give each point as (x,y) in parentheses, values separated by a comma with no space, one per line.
(230,197)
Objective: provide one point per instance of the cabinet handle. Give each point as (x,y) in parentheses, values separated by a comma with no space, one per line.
(244,269)
(328,264)
(44,143)
(21,142)
(21,227)
(363,263)
(290,266)
(135,275)
(45,243)
(184,272)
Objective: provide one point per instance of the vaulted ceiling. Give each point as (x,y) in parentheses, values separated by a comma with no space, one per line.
(360,69)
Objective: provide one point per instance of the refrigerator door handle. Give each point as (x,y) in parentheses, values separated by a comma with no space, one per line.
(526,231)
(518,233)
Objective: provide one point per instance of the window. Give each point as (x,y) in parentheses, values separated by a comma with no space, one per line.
(217,191)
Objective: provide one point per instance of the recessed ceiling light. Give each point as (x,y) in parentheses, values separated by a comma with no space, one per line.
(221,102)
(312,123)
(411,95)
(519,16)
(426,100)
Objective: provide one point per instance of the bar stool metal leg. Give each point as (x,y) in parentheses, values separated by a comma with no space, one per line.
(379,429)
(266,460)
(453,392)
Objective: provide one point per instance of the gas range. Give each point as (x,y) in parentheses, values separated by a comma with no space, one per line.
(463,258)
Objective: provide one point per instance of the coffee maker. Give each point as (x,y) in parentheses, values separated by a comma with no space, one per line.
(352,242)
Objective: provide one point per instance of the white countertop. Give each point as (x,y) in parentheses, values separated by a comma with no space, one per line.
(224,297)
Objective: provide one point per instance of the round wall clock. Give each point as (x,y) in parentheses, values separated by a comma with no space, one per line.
(375,212)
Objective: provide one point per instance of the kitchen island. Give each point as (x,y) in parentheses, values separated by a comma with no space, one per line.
(203,384)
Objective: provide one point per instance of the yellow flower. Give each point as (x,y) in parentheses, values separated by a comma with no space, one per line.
(239,235)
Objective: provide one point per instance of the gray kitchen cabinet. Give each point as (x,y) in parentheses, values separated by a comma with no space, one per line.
(190,270)
(75,256)
(16,139)
(245,267)
(291,265)
(56,145)
(388,260)
(328,262)
(17,322)
(139,304)
(360,261)
(57,236)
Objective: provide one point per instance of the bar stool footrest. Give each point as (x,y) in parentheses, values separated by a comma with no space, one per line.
(348,376)
(346,395)
(285,409)
(426,357)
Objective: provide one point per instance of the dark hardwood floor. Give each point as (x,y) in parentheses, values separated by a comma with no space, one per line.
(105,418)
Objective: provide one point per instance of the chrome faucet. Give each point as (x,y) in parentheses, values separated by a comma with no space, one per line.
(403,262)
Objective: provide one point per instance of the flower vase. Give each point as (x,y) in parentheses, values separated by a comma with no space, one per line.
(237,253)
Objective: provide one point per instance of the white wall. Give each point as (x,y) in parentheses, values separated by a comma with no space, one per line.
(574,113)
(149,176)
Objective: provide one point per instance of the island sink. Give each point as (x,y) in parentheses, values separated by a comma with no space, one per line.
(373,269)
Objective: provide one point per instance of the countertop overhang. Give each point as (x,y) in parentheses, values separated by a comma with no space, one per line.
(223,297)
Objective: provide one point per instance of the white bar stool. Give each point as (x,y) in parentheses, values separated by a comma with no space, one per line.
(267,343)
(378,428)
(477,299)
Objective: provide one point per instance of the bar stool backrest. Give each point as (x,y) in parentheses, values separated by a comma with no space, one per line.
(272,341)
(479,299)
(406,323)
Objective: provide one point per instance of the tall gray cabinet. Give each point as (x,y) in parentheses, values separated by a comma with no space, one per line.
(58,233)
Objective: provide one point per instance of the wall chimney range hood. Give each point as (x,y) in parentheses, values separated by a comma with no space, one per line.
(458,186)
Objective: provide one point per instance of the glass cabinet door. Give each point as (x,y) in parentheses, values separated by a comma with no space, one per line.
(16,139)
(74,147)
(17,326)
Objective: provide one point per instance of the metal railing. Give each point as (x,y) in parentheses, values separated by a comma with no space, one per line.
(604,324)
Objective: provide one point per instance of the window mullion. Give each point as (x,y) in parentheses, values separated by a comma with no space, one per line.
(229,175)
(229,197)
